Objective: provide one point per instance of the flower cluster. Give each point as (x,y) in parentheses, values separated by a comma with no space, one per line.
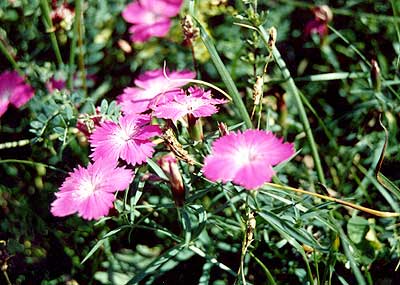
(13,91)
(120,145)
(90,191)
(150,18)
(149,87)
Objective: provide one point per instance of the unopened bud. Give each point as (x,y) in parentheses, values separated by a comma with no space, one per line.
(87,123)
(323,13)
(223,129)
(125,46)
(375,75)
(169,165)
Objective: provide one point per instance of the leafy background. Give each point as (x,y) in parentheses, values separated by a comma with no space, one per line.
(297,239)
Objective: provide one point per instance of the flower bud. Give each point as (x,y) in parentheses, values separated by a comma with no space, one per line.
(169,165)
(86,123)
(375,75)
(223,129)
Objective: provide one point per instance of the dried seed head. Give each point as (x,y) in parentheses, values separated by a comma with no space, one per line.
(251,226)
(175,146)
(258,90)
(272,37)
(190,31)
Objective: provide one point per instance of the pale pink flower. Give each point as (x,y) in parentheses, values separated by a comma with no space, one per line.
(150,18)
(13,90)
(246,158)
(129,139)
(90,191)
(135,100)
(197,103)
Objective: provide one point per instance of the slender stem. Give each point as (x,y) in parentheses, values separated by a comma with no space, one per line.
(270,278)
(9,57)
(354,206)
(396,25)
(71,62)
(13,144)
(293,91)
(7,278)
(33,163)
(50,29)
(345,12)
(80,30)
(225,76)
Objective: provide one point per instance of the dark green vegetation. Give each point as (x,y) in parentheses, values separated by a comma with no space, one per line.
(325,82)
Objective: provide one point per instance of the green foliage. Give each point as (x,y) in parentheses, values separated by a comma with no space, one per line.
(318,91)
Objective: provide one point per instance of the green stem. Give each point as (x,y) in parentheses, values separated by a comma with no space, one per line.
(71,61)
(80,29)
(270,278)
(9,57)
(294,92)
(396,25)
(225,76)
(32,163)
(50,29)
(6,277)
(345,12)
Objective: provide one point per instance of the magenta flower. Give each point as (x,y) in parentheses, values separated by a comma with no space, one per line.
(90,191)
(150,18)
(246,158)
(13,90)
(129,139)
(319,25)
(198,104)
(135,100)
(55,84)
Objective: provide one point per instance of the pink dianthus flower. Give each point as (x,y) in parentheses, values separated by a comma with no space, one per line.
(198,103)
(129,139)
(135,100)
(90,191)
(150,18)
(246,158)
(13,90)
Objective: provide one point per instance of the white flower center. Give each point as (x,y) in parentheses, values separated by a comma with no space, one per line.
(85,189)
(5,95)
(123,135)
(246,155)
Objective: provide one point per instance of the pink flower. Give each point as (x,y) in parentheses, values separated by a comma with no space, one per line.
(129,139)
(149,85)
(246,158)
(319,25)
(90,191)
(150,18)
(198,104)
(55,84)
(13,90)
